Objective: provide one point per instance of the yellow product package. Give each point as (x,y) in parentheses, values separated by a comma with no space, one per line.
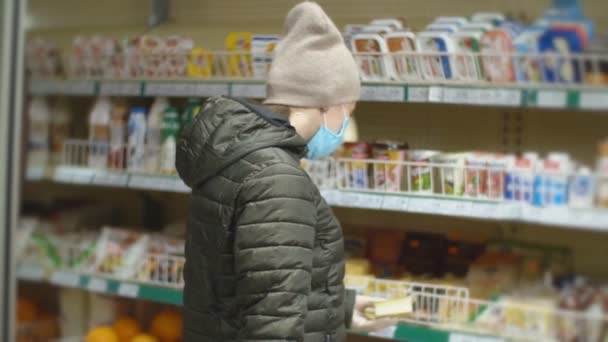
(239,59)
(200,63)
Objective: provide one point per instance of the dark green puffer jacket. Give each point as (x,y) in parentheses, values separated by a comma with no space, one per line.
(264,253)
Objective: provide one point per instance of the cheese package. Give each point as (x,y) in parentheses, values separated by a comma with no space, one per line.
(497,59)
(371,53)
(261,54)
(558,45)
(458,21)
(200,63)
(446,28)
(119,251)
(450,177)
(488,17)
(401,45)
(467,65)
(239,62)
(393,23)
(519,178)
(394,308)
(436,65)
(528,63)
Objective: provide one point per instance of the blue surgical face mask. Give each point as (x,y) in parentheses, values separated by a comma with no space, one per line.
(325,142)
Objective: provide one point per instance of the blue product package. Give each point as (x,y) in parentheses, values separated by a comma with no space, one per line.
(540,191)
(435,42)
(513,27)
(558,66)
(564,9)
(527,65)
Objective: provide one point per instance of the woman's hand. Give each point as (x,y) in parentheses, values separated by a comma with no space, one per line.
(361,323)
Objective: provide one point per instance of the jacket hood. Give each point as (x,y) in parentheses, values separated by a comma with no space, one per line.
(226,130)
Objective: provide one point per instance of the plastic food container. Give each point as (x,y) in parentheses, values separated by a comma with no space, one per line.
(388,177)
(436,65)
(405,67)
(497,60)
(371,54)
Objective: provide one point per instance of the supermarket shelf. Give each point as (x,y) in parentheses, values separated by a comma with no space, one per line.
(487,95)
(94,283)
(174,296)
(591,219)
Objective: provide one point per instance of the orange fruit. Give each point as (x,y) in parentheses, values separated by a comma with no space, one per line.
(102,334)
(144,338)
(27,311)
(167,325)
(126,328)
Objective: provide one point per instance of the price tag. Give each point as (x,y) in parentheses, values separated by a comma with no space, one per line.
(455,208)
(82,176)
(457,95)
(253,91)
(120,88)
(97,285)
(594,100)
(386,333)
(210,89)
(30,272)
(551,99)
(472,338)
(78,88)
(169,89)
(395,203)
(499,97)
(424,205)
(483,210)
(329,196)
(382,93)
(180,186)
(435,94)
(110,179)
(418,94)
(62,175)
(68,279)
(128,290)
(368,201)
(44,87)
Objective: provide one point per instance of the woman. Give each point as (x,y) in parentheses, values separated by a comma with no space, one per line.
(265,254)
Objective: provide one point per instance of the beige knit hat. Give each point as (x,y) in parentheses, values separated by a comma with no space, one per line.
(312,66)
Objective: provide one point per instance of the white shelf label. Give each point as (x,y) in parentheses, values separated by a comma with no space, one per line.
(35,173)
(498,97)
(382,93)
(97,285)
(329,196)
(484,210)
(30,272)
(593,100)
(455,208)
(128,290)
(395,203)
(63,278)
(417,94)
(424,205)
(551,99)
(120,88)
(254,91)
(110,179)
(44,87)
(472,338)
(459,96)
(176,89)
(435,94)
(66,174)
(210,89)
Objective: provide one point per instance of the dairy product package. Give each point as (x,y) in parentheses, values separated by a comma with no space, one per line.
(42,58)
(497,59)
(355,174)
(239,61)
(388,177)
(436,65)
(38,152)
(137,140)
(378,29)
(119,251)
(169,133)
(596,71)
(420,173)
(528,62)
(99,133)
(520,177)
(551,180)
(405,66)
(498,165)
(393,23)
(450,176)
(154,135)
(445,28)
(117,157)
(458,21)
(477,26)
(488,17)
(200,63)
(558,45)
(477,174)
(602,174)
(371,55)
(467,64)
(581,192)
(262,47)
(61,118)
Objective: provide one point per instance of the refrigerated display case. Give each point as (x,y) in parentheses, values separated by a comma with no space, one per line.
(479,201)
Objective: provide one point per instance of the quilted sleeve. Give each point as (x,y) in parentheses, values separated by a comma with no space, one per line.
(275,234)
